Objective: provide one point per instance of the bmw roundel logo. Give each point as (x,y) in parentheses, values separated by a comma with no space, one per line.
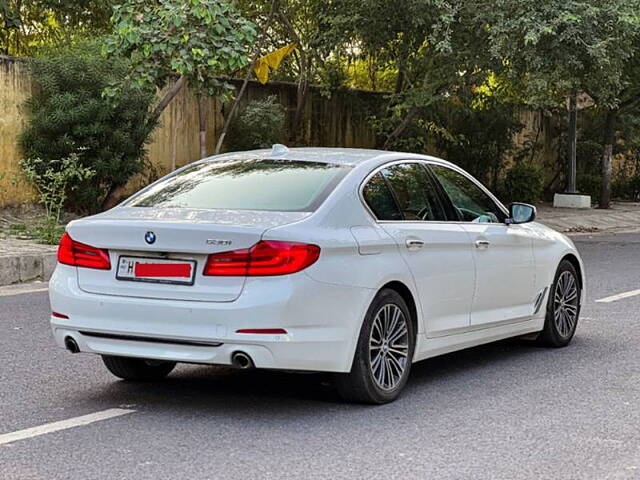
(149,237)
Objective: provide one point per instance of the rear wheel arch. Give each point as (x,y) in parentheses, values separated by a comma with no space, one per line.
(407,296)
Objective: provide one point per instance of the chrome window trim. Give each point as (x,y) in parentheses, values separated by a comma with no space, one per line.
(428,162)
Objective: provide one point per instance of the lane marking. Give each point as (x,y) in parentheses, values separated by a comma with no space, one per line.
(5,292)
(619,296)
(63,425)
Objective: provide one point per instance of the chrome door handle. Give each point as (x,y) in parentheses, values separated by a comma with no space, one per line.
(482,243)
(415,244)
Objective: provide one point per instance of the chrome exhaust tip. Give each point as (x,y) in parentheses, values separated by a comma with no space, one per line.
(71,345)
(241,360)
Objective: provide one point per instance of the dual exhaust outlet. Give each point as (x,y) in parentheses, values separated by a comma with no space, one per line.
(239,360)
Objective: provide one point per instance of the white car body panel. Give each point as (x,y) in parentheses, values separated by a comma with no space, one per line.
(463,296)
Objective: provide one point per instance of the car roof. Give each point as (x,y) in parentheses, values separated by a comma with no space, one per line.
(342,156)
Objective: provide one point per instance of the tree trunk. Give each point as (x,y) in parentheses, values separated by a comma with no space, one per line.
(164,101)
(236,101)
(399,81)
(607,155)
(202,117)
(303,81)
(400,128)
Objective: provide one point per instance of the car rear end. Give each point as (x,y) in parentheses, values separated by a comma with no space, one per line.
(186,271)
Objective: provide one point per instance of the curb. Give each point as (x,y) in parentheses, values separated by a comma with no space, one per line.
(27,267)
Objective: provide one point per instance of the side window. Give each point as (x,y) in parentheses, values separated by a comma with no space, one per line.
(379,199)
(471,203)
(415,195)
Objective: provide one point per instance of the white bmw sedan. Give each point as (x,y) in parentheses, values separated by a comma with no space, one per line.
(356,262)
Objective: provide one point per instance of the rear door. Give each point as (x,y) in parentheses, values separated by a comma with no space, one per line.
(438,254)
(505,273)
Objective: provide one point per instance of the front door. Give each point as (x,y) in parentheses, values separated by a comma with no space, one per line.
(505,273)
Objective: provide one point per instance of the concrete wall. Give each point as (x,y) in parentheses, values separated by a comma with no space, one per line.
(338,120)
(15,88)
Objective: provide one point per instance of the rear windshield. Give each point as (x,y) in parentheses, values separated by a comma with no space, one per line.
(260,184)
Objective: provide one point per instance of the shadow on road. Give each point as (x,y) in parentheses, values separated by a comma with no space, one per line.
(207,389)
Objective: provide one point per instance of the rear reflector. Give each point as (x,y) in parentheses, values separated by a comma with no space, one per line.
(263,331)
(59,315)
(265,258)
(78,254)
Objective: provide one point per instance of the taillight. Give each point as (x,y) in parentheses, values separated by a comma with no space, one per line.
(78,254)
(265,258)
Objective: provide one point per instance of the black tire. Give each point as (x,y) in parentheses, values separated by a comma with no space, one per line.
(359,385)
(137,369)
(553,335)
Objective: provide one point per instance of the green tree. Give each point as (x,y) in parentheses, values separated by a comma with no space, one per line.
(191,41)
(70,117)
(28,26)
(549,49)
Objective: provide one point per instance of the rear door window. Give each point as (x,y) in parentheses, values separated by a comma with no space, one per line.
(414,193)
(258,184)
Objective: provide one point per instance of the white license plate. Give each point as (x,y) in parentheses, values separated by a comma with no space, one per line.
(156,270)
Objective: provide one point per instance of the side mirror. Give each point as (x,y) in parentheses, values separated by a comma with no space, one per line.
(521,213)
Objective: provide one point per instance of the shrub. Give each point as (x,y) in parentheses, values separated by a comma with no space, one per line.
(260,125)
(523,182)
(70,115)
(54,180)
(589,184)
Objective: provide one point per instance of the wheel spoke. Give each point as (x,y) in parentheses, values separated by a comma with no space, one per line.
(388,346)
(565,303)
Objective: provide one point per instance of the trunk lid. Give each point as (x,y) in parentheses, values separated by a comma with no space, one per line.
(180,234)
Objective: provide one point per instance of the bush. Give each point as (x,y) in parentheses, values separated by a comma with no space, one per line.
(589,184)
(70,116)
(260,125)
(523,183)
(54,180)
(626,187)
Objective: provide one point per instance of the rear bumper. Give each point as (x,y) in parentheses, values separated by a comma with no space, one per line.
(322,323)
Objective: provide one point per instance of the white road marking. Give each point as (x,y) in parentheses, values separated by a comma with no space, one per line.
(62,425)
(4,292)
(619,296)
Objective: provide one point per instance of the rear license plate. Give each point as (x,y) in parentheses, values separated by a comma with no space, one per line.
(156,270)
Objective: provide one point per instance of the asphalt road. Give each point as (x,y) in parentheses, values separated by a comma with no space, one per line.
(504,411)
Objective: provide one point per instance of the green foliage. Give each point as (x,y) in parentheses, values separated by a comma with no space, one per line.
(552,47)
(199,39)
(479,136)
(69,116)
(589,184)
(260,125)
(54,180)
(625,184)
(28,26)
(523,182)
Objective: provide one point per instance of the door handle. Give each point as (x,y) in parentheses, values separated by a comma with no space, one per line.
(482,243)
(414,244)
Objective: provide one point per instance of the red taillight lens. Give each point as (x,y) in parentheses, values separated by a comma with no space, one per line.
(265,258)
(78,254)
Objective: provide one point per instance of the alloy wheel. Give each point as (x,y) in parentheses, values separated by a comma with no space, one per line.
(565,304)
(388,346)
